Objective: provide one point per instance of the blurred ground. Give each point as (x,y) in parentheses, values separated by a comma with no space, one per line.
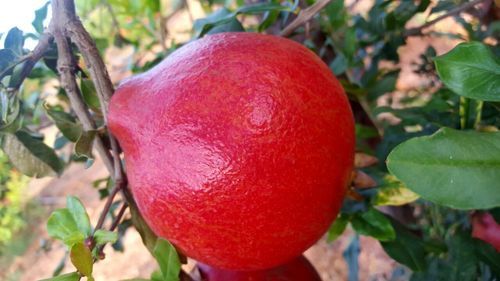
(135,261)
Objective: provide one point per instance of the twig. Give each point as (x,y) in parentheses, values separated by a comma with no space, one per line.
(109,201)
(33,58)
(418,30)
(305,16)
(115,223)
(74,29)
(118,217)
(66,67)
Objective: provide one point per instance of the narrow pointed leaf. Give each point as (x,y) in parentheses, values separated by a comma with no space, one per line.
(167,259)
(373,223)
(31,156)
(62,226)
(73,276)
(40,16)
(337,227)
(81,258)
(104,236)
(66,123)
(79,214)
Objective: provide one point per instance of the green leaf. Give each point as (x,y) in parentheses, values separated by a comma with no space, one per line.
(222,19)
(268,19)
(339,64)
(167,259)
(386,84)
(7,62)
(81,258)
(463,261)
(77,210)
(487,254)
(337,14)
(338,227)
(15,41)
(104,236)
(156,276)
(406,248)
(223,16)
(40,16)
(61,225)
(31,156)
(11,113)
(83,146)
(148,237)
(73,276)
(457,169)
(471,70)
(89,94)
(393,192)
(373,223)
(65,122)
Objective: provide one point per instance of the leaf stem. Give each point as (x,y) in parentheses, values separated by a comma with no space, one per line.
(464,112)
(479,111)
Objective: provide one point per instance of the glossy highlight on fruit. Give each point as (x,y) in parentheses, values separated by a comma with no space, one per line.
(299,269)
(238,148)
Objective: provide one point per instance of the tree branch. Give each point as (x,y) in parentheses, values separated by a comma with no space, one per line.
(417,31)
(66,67)
(304,17)
(116,188)
(33,58)
(76,32)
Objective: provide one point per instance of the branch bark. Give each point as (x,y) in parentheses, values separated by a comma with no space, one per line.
(66,66)
(304,17)
(37,53)
(82,39)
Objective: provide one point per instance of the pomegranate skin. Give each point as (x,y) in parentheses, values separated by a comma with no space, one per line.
(299,269)
(485,227)
(238,148)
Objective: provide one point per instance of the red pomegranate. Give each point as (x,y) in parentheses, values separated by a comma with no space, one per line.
(299,269)
(238,148)
(485,227)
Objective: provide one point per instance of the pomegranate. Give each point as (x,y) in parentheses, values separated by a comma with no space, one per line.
(238,148)
(485,227)
(299,269)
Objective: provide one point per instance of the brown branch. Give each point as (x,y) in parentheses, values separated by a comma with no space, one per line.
(304,17)
(118,217)
(417,31)
(115,223)
(119,185)
(76,32)
(33,58)
(98,73)
(66,66)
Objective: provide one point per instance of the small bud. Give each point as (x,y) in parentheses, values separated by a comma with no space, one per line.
(362,160)
(363,180)
(90,242)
